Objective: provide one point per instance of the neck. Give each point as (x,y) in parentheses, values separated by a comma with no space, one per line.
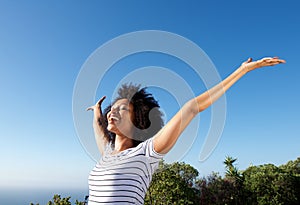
(122,143)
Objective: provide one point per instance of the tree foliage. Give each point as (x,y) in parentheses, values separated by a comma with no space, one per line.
(173,184)
(217,190)
(268,184)
(263,184)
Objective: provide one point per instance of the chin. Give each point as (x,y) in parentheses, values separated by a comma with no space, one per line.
(111,128)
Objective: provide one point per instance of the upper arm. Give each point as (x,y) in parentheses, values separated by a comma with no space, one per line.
(101,139)
(165,139)
(101,144)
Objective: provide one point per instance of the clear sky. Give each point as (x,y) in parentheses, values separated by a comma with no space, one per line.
(43,46)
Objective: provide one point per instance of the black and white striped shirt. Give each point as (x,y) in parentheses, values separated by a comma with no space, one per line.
(123,178)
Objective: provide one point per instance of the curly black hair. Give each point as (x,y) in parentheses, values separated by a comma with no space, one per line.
(147,118)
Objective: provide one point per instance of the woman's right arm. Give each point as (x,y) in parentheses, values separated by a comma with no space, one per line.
(100,137)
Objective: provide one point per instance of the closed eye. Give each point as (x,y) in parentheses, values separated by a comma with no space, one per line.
(124,107)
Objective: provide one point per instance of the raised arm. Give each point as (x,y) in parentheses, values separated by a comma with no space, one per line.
(100,134)
(165,139)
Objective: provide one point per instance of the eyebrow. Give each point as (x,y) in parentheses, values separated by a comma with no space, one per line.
(126,104)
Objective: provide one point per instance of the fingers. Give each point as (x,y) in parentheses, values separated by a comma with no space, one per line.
(269,61)
(280,60)
(97,104)
(272,60)
(90,108)
(101,100)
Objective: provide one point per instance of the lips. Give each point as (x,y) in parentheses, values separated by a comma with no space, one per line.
(113,119)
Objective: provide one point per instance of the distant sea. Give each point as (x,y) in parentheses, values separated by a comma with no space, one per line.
(19,196)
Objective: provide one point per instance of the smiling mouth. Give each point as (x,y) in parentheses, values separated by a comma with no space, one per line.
(113,119)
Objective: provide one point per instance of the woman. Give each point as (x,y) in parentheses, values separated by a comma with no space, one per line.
(124,173)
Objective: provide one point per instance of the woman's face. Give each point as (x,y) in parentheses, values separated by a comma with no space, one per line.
(119,118)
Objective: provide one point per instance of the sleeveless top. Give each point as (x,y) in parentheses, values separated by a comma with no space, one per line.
(123,178)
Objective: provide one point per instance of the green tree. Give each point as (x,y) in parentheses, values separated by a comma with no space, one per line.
(213,190)
(235,178)
(219,191)
(293,168)
(173,184)
(57,200)
(231,170)
(268,184)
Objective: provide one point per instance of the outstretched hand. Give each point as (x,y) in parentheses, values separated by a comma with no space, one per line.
(250,65)
(97,106)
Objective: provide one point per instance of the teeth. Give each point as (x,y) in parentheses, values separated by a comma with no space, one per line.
(114,118)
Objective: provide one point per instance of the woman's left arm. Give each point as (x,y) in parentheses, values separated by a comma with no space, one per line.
(165,139)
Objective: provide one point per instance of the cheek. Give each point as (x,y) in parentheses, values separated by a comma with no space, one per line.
(131,114)
(128,123)
(128,118)
(107,115)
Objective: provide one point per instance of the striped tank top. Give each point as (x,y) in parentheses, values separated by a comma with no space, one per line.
(123,178)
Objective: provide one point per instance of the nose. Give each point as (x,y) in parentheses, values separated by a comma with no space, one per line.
(114,109)
(108,115)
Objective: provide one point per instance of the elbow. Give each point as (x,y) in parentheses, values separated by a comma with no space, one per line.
(196,107)
(193,107)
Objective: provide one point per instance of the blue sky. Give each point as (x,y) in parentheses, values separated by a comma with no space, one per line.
(43,46)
